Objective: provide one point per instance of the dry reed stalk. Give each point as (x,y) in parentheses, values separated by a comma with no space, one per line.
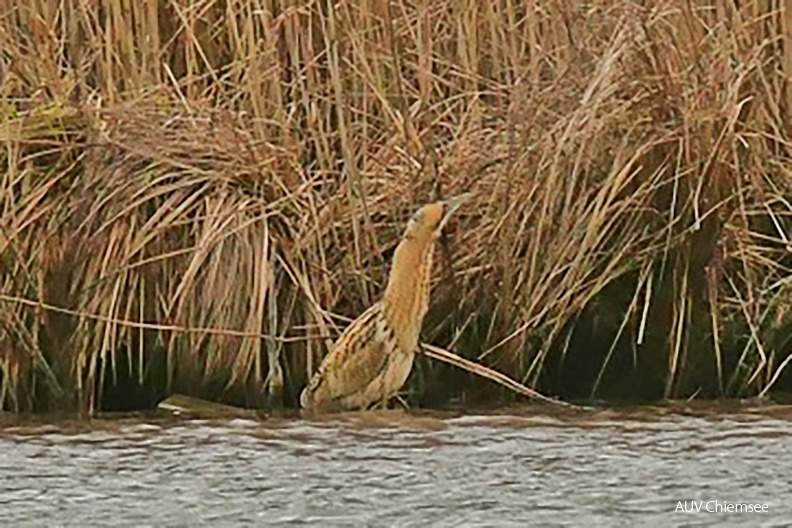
(479,370)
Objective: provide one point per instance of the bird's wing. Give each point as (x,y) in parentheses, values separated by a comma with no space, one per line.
(358,356)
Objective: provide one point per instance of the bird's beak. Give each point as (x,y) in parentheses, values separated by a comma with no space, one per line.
(452,204)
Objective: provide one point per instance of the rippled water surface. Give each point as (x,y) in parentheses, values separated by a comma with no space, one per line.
(602,468)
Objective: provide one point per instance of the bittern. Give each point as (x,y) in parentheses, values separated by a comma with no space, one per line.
(374,356)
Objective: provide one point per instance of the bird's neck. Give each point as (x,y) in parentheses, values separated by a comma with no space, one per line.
(406,298)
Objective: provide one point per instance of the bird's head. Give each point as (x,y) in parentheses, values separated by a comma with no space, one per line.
(427,223)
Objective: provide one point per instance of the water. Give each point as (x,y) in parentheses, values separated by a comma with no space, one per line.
(517,468)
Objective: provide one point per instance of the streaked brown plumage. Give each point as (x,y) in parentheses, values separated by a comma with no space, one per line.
(373,357)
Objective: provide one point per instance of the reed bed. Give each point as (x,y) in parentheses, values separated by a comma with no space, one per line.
(197,196)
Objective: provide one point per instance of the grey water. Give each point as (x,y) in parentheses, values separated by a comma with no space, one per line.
(518,467)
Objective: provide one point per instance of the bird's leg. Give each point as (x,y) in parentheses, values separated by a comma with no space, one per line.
(403,403)
(378,405)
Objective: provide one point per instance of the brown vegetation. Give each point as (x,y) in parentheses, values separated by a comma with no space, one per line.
(194,191)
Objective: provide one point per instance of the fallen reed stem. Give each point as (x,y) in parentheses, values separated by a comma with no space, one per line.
(446,356)
(150,326)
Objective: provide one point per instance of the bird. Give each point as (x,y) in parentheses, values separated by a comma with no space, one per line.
(373,357)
